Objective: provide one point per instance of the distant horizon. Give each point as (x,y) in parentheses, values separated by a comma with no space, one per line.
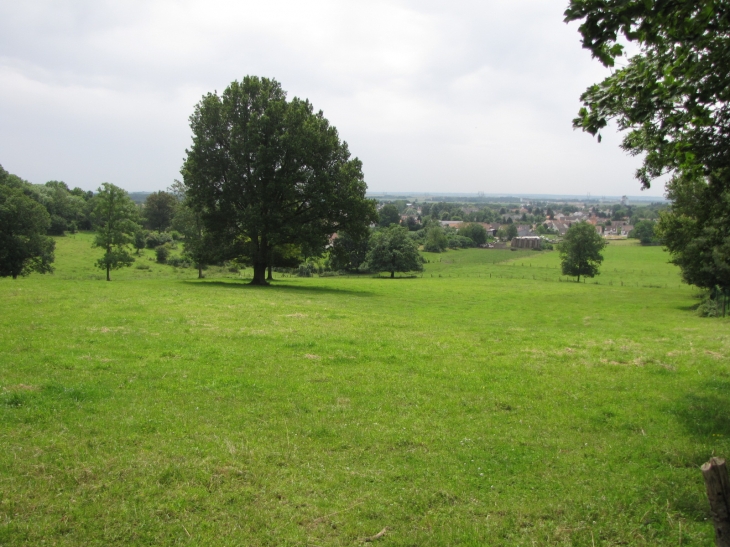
(573,197)
(505,196)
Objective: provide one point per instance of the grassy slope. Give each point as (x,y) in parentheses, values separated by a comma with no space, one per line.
(158,409)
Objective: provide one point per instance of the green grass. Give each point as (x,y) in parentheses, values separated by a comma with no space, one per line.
(455,410)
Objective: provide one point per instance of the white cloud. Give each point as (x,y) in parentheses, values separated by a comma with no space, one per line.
(431,95)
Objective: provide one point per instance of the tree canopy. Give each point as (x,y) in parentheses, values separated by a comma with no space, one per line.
(696,230)
(392,250)
(348,253)
(159,209)
(264,172)
(476,232)
(115,216)
(580,251)
(436,240)
(644,232)
(24,247)
(672,96)
(388,215)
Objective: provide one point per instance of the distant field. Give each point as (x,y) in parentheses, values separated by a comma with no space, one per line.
(488,402)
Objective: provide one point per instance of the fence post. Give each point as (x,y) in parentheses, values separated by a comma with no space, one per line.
(718,494)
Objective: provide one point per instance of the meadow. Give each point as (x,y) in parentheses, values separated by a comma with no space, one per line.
(486,402)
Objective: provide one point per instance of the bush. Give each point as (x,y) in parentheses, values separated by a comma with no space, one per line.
(161,253)
(709,308)
(156,239)
(58,226)
(305,270)
(178,262)
(436,240)
(460,242)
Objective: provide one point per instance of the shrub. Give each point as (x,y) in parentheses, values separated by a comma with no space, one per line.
(709,308)
(156,239)
(58,226)
(161,253)
(305,270)
(178,262)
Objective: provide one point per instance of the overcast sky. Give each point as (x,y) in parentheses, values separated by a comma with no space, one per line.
(432,96)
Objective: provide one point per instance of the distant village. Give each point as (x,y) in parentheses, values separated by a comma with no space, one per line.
(528,223)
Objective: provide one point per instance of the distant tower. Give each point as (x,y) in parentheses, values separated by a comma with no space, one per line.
(624,201)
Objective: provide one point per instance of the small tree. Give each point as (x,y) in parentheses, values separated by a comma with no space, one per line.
(115,215)
(140,240)
(388,215)
(196,245)
(644,232)
(347,252)
(162,253)
(24,246)
(392,250)
(475,232)
(436,240)
(580,251)
(159,209)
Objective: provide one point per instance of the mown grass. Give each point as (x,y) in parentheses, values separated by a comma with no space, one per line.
(503,410)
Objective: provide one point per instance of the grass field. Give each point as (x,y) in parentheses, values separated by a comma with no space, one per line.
(488,402)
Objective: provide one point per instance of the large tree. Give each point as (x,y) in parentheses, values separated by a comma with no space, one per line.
(580,251)
(24,247)
(264,172)
(116,218)
(392,250)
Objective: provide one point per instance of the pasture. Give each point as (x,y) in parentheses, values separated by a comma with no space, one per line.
(488,402)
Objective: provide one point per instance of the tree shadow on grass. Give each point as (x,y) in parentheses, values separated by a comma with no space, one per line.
(246,285)
(705,412)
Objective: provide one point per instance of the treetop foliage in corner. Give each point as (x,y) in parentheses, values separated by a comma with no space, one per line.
(673,96)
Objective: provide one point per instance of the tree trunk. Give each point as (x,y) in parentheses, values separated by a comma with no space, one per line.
(260,261)
(200,271)
(259,274)
(392,275)
(107,273)
(579,279)
(718,494)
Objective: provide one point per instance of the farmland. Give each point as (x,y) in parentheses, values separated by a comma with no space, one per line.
(486,402)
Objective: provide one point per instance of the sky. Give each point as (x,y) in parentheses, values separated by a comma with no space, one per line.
(432,96)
